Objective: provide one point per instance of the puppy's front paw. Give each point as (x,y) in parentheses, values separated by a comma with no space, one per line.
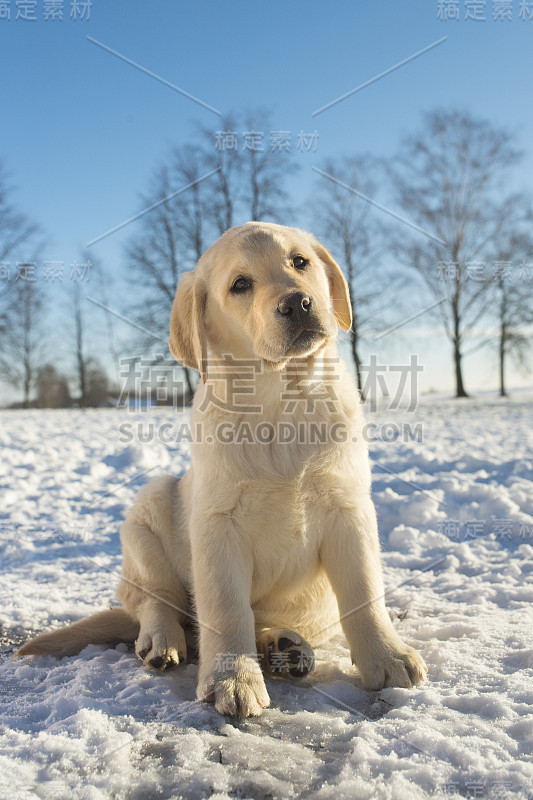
(392,664)
(161,649)
(239,691)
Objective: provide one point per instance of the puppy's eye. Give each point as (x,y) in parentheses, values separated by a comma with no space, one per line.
(299,262)
(240,285)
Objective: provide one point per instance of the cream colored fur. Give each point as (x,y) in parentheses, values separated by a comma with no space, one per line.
(264,536)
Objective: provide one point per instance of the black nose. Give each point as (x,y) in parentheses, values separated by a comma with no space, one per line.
(296,306)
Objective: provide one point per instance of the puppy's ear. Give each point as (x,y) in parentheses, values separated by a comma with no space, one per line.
(338,287)
(187,341)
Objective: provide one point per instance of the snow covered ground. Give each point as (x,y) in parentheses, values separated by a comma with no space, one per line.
(456,523)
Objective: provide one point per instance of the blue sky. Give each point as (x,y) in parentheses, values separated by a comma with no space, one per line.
(82,130)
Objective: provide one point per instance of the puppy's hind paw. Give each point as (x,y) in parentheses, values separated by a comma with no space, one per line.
(285,653)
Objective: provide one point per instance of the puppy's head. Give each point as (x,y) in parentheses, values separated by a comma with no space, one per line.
(261,291)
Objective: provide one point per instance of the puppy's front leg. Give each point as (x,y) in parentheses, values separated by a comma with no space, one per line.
(229,674)
(351,556)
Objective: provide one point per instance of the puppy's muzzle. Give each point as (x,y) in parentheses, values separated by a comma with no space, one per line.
(296,308)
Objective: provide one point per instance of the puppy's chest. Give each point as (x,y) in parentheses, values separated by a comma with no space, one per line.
(293,433)
(282,526)
(286,451)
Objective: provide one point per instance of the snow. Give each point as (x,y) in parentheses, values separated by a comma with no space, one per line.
(456,523)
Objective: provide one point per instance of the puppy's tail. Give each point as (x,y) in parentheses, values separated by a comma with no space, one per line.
(112,626)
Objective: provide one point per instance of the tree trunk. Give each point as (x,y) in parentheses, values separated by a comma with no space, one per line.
(78,321)
(503,393)
(27,345)
(254,211)
(27,383)
(81,377)
(503,337)
(354,339)
(459,386)
(190,387)
(357,362)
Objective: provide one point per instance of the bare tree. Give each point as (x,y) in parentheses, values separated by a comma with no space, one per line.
(22,331)
(21,300)
(79,337)
(16,231)
(189,207)
(265,170)
(449,180)
(344,223)
(167,243)
(102,280)
(221,152)
(251,172)
(80,330)
(513,300)
(85,332)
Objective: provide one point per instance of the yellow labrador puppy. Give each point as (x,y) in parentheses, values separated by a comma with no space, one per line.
(270,539)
